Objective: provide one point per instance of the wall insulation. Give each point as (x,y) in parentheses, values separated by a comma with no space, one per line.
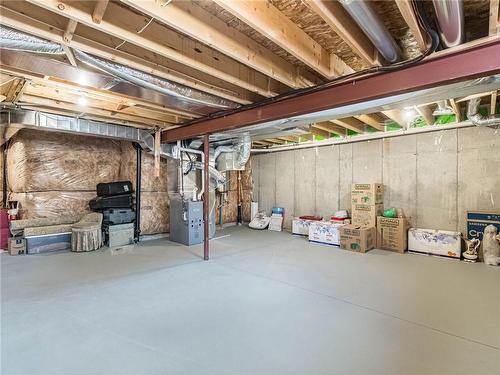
(53,174)
(435,177)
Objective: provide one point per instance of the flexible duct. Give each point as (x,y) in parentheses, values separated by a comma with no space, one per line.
(18,41)
(476,118)
(369,21)
(450,17)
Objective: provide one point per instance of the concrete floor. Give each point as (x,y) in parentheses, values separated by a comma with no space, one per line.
(267,303)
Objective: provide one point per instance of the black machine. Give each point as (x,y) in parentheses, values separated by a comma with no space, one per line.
(115,216)
(115,201)
(114,188)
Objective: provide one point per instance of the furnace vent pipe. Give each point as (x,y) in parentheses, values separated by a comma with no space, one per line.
(450,17)
(371,24)
(476,118)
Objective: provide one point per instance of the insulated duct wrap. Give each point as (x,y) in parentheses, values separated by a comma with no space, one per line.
(41,161)
(18,41)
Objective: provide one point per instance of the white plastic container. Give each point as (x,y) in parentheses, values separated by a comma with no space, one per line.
(434,242)
(325,232)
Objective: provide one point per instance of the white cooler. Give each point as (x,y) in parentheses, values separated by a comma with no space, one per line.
(435,242)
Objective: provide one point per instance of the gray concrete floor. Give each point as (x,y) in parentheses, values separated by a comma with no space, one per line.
(266,303)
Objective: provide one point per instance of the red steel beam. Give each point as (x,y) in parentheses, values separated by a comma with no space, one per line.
(445,68)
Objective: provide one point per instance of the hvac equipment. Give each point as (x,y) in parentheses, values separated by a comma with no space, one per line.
(186,221)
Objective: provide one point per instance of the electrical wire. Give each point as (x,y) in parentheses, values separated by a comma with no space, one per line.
(433,35)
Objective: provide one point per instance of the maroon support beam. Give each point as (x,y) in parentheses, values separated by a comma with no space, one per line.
(447,67)
(206,194)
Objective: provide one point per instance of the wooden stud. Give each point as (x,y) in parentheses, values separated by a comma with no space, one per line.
(494,21)
(456,109)
(69,55)
(406,9)
(334,14)
(157,148)
(274,25)
(493,104)
(99,10)
(194,21)
(70,31)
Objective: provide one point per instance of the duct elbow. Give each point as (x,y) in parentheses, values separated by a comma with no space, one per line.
(476,118)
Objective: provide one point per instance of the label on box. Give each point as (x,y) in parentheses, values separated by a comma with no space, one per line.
(366,215)
(477,221)
(367,194)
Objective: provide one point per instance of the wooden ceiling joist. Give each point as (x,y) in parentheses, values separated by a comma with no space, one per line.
(316,131)
(274,25)
(194,21)
(351,124)
(331,128)
(70,55)
(99,10)
(334,14)
(406,9)
(426,112)
(210,67)
(373,120)
(396,116)
(46,102)
(42,30)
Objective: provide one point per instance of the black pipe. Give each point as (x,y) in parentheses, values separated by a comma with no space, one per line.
(138,166)
(4,173)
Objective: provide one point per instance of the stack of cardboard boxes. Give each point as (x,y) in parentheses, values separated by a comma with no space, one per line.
(367,204)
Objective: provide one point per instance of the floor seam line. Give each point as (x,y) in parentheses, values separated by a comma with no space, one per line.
(364,307)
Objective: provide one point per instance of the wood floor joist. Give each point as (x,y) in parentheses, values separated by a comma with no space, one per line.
(411,19)
(197,23)
(274,25)
(118,29)
(29,25)
(334,14)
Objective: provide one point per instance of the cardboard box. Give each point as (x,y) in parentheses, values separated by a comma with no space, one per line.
(325,232)
(477,221)
(392,234)
(435,242)
(17,246)
(366,214)
(357,238)
(367,194)
(301,226)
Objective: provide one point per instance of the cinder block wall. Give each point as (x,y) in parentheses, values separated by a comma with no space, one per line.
(435,177)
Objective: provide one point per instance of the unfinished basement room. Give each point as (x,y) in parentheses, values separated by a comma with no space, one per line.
(259,187)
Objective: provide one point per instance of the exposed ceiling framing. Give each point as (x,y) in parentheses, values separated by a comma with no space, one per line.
(242,51)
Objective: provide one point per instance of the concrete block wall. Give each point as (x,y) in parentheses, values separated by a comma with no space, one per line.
(434,177)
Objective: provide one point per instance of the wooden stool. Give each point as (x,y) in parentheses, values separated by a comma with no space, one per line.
(86,237)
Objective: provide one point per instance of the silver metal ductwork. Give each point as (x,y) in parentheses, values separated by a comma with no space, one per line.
(450,17)
(371,24)
(18,41)
(476,118)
